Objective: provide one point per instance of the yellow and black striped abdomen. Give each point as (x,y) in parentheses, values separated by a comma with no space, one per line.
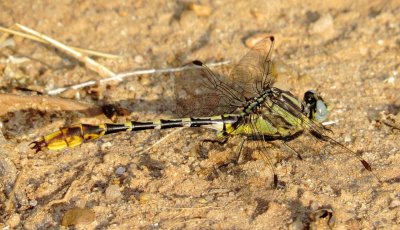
(77,134)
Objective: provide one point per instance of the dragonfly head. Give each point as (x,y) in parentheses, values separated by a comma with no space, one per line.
(314,106)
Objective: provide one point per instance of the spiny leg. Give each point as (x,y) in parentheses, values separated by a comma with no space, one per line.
(293,150)
(286,140)
(261,148)
(328,139)
(239,151)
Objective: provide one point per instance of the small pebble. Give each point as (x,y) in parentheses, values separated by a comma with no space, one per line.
(105,145)
(394,204)
(202,201)
(254,39)
(258,14)
(323,24)
(138,59)
(312,16)
(6,43)
(113,193)
(297,225)
(324,27)
(390,80)
(347,138)
(120,170)
(209,198)
(77,216)
(327,190)
(33,203)
(144,198)
(363,50)
(200,10)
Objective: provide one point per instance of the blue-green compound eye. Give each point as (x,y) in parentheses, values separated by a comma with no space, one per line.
(321,111)
(314,106)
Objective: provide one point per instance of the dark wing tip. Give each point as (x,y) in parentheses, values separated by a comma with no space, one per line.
(366,165)
(272,38)
(197,62)
(275,181)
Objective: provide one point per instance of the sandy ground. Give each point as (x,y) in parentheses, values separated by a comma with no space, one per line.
(347,50)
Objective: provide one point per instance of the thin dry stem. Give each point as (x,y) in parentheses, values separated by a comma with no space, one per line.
(38,39)
(90,63)
(121,76)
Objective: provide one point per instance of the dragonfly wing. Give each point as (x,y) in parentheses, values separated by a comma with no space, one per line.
(209,93)
(203,92)
(254,73)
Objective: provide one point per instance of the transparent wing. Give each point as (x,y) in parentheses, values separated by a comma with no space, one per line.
(254,73)
(204,92)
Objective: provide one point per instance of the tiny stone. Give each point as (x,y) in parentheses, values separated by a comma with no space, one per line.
(200,10)
(78,216)
(105,145)
(209,198)
(394,204)
(347,138)
(363,51)
(9,42)
(324,27)
(323,24)
(390,80)
(312,16)
(33,203)
(297,225)
(327,190)
(138,59)
(144,198)
(113,193)
(257,14)
(254,39)
(120,170)
(202,201)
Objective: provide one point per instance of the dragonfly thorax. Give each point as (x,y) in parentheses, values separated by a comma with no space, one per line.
(253,104)
(277,113)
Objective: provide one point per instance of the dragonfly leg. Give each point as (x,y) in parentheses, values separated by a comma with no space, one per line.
(239,152)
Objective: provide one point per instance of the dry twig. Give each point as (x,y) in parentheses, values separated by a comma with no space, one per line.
(121,76)
(85,51)
(90,63)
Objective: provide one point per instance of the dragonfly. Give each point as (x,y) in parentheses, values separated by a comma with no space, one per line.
(242,104)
